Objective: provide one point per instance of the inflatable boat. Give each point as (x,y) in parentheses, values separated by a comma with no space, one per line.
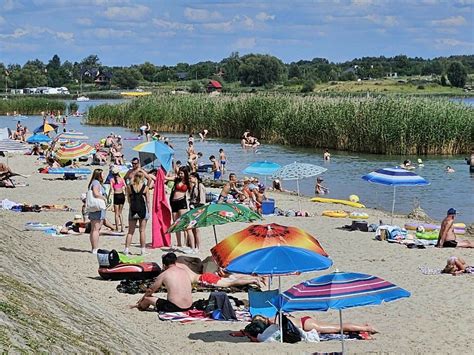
(141,271)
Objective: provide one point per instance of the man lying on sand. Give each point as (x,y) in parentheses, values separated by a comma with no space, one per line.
(447,238)
(178,286)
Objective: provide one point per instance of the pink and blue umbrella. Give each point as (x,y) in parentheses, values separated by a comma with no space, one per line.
(340,290)
(395,177)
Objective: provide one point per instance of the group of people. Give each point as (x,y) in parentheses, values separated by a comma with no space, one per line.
(20,132)
(249,192)
(249,141)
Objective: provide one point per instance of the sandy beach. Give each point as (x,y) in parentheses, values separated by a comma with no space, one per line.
(53,300)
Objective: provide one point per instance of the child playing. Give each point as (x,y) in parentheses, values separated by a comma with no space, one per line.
(216,169)
(223,159)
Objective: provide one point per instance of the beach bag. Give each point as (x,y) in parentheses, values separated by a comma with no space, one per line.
(94,204)
(255,327)
(137,203)
(291,334)
(107,258)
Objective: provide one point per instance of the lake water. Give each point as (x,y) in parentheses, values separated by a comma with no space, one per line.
(343,176)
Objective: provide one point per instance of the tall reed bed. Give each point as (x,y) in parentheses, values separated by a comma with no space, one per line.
(30,105)
(384,125)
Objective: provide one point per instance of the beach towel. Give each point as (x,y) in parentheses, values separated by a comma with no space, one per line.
(199,316)
(161,213)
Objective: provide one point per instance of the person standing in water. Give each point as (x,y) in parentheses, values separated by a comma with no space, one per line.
(223,159)
(327,155)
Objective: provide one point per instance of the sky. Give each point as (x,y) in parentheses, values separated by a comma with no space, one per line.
(167,32)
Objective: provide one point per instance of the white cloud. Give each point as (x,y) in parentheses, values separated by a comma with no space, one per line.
(386,21)
(362,2)
(248,22)
(263,16)
(108,33)
(84,21)
(451,42)
(219,26)
(34,31)
(245,43)
(450,21)
(170,25)
(126,12)
(201,14)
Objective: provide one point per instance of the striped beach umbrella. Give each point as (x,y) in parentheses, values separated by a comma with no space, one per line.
(76,150)
(259,236)
(395,177)
(340,290)
(158,151)
(71,136)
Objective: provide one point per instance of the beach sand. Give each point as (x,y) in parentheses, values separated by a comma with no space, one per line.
(53,300)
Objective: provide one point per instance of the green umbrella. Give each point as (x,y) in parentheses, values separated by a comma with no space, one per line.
(212,215)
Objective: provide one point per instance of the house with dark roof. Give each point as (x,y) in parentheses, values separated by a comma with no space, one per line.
(214,85)
(182,75)
(100,77)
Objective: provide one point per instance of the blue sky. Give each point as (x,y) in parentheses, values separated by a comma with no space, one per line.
(125,32)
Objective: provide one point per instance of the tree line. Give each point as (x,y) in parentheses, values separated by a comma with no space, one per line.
(248,70)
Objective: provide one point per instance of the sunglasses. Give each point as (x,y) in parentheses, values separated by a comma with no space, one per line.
(134,163)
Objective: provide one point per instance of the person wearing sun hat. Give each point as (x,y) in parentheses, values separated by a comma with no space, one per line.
(447,237)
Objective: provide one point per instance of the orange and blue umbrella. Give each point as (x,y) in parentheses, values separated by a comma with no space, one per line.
(259,236)
(340,290)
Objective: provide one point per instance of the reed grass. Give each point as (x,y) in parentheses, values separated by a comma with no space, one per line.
(383,125)
(30,105)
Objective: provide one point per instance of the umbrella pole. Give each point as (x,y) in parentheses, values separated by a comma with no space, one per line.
(298,192)
(393,203)
(342,332)
(279,311)
(215,234)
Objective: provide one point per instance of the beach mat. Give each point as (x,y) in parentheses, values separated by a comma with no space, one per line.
(193,316)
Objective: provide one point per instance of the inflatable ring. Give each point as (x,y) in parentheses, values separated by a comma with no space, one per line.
(358,215)
(433,235)
(333,200)
(459,228)
(335,214)
(36,226)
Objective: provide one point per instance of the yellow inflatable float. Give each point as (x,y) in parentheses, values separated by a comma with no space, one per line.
(333,200)
(358,215)
(335,214)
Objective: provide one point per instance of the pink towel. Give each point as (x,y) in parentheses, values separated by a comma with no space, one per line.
(161,214)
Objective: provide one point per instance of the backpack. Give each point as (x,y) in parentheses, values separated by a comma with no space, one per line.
(291,334)
(137,203)
(255,327)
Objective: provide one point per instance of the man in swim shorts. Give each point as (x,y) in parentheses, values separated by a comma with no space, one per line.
(447,238)
(178,285)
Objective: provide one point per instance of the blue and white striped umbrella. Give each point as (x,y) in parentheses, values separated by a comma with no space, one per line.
(340,290)
(395,177)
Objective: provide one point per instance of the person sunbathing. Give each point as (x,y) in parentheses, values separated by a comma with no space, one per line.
(222,279)
(308,324)
(80,226)
(457,266)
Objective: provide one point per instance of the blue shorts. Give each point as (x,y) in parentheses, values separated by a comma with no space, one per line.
(223,162)
(217,175)
(97,216)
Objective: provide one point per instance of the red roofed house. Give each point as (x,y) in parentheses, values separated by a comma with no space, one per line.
(214,85)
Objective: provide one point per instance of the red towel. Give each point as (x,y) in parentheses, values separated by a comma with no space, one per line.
(161,213)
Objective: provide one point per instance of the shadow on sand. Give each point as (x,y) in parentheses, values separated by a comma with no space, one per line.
(74,250)
(212,336)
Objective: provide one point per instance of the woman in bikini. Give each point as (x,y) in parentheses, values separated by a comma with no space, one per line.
(178,198)
(308,324)
(118,187)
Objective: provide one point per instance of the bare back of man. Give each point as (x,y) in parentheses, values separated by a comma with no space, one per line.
(447,237)
(179,287)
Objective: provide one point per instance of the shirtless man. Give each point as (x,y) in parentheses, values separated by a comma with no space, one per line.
(178,285)
(230,188)
(135,169)
(447,238)
(211,279)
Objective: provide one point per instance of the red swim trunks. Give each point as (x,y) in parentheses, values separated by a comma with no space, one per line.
(209,279)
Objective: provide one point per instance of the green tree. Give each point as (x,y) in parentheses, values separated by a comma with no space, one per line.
(457,74)
(126,78)
(230,67)
(258,70)
(195,87)
(294,71)
(148,71)
(443,80)
(308,86)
